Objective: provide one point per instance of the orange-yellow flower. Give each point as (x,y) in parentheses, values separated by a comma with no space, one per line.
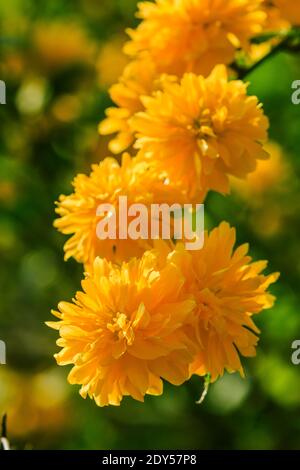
(229,289)
(275,23)
(290,10)
(136,81)
(139,79)
(202,130)
(194,35)
(106,183)
(124,332)
(275,20)
(167,315)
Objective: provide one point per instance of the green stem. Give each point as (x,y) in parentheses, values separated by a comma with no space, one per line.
(290,42)
(207,379)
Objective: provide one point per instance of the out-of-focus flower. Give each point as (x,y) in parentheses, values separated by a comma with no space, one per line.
(124,332)
(202,130)
(229,289)
(60,44)
(269,176)
(290,10)
(194,35)
(33,402)
(32,95)
(8,191)
(268,221)
(263,192)
(66,108)
(107,182)
(111,62)
(13,65)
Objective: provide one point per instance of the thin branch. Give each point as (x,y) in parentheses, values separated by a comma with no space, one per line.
(243,72)
(3,440)
(288,41)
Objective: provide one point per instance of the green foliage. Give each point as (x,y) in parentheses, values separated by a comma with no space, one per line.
(39,155)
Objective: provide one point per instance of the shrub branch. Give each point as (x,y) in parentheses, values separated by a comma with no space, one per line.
(288,41)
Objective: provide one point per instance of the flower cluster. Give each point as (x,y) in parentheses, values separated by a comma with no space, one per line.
(148,310)
(164,316)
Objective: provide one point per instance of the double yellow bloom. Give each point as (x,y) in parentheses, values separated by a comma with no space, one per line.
(167,315)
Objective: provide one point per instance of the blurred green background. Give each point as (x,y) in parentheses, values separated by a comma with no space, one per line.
(58,60)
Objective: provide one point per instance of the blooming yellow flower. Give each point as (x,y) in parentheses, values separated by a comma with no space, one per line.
(139,79)
(107,181)
(202,130)
(136,81)
(194,35)
(124,332)
(229,289)
(290,10)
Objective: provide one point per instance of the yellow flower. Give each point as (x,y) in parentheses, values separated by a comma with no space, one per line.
(168,315)
(107,181)
(274,23)
(136,81)
(275,20)
(194,35)
(124,332)
(139,79)
(290,10)
(60,44)
(202,130)
(229,289)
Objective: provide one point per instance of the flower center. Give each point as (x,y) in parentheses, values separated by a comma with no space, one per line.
(122,329)
(202,127)
(209,305)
